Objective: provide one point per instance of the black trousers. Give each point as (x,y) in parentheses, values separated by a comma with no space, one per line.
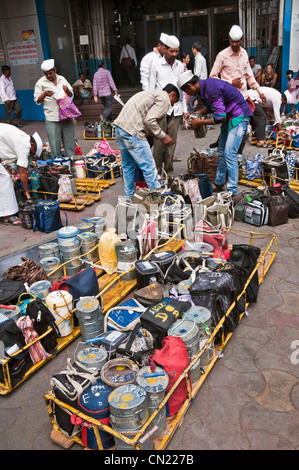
(258,122)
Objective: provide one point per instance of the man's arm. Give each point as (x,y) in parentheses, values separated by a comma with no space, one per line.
(23,174)
(157,112)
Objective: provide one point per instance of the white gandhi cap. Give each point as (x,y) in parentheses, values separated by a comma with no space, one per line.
(48,65)
(184,78)
(163,38)
(172,42)
(39,144)
(236,33)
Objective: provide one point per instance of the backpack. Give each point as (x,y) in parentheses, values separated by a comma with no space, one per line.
(10,291)
(13,339)
(173,358)
(46,216)
(43,319)
(246,256)
(216,292)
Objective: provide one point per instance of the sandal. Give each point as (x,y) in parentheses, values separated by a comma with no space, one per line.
(176,159)
(13,220)
(263,145)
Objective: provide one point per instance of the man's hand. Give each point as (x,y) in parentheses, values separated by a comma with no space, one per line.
(67,91)
(237,82)
(195,123)
(95,98)
(167,140)
(263,98)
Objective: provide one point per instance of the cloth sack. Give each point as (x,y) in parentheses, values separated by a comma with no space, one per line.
(66,108)
(82,284)
(28,272)
(275,168)
(65,193)
(173,358)
(36,350)
(253,167)
(44,320)
(46,216)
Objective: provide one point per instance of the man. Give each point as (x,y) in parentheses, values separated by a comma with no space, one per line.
(272,106)
(232,64)
(229,108)
(145,64)
(9,97)
(83,89)
(46,91)
(102,85)
(199,69)
(256,69)
(168,70)
(139,117)
(129,52)
(15,144)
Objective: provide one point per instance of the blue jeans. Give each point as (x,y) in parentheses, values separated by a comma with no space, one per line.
(136,151)
(228,147)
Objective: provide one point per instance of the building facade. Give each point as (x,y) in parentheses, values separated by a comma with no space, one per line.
(77,33)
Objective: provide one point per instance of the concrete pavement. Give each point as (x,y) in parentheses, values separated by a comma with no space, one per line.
(250,400)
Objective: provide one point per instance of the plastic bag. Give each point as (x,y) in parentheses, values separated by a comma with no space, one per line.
(107,252)
(65,193)
(67,109)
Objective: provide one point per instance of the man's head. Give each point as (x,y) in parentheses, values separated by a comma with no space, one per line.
(49,69)
(173,93)
(172,49)
(189,83)
(36,145)
(161,44)
(196,48)
(252,61)
(101,64)
(82,77)
(235,38)
(6,70)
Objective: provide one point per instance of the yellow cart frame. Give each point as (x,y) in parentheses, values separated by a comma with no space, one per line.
(112,290)
(264,263)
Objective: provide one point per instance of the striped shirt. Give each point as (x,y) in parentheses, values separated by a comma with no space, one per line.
(227,104)
(141,113)
(103,82)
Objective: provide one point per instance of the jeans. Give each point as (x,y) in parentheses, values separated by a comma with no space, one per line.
(135,151)
(228,147)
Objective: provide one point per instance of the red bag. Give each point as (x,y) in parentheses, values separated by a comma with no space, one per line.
(173,358)
(213,235)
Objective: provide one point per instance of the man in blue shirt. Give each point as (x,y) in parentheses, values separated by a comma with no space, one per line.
(228,108)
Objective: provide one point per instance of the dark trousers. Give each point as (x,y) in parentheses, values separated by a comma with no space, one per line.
(107,102)
(258,122)
(13,107)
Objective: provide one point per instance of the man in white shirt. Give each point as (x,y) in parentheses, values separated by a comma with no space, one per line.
(256,69)
(145,64)
(167,70)
(15,144)
(199,69)
(271,106)
(45,92)
(9,97)
(129,52)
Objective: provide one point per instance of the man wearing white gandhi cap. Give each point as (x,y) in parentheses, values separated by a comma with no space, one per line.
(47,90)
(167,70)
(145,64)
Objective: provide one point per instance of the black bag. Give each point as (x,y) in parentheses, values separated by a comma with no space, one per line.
(216,292)
(18,364)
(10,291)
(275,168)
(159,318)
(49,183)
(43,319)
(90,129)
(67,386)
(245,257)
(293,198)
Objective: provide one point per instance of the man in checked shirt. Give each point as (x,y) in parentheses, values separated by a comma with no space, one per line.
(138,119)
(102,85)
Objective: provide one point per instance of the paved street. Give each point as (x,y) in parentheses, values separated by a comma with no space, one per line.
(250,400)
